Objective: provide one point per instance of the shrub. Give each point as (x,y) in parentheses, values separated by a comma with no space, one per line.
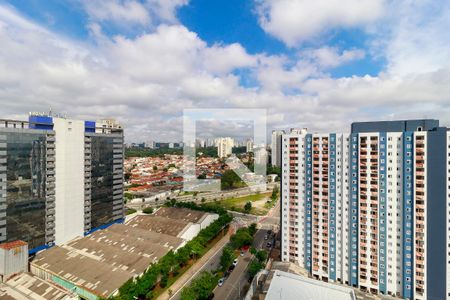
(148,210)
(248,207)
(130,211)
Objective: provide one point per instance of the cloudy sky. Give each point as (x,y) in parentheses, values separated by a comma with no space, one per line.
(319,64)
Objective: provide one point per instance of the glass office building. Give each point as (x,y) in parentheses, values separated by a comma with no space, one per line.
(102,181)
(25,208)
(47,194)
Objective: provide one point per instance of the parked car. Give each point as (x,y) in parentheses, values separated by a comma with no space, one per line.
(242,253)
(266,237)
(235,262)
(231,268)
(221,281)
(269,244)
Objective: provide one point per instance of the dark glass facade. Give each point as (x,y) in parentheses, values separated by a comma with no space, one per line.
(25,187)
(102,181)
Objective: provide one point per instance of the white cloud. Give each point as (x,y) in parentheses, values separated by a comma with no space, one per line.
(133,14)
(118,11)
(147,81)
(166,9)
(293,21)
(416,38)
(223,59)
(330,56)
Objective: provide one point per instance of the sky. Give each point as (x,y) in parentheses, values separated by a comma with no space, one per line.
(316,64)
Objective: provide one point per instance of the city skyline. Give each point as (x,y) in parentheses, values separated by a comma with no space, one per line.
(145,61)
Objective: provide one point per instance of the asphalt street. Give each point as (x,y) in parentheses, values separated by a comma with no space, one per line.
(233,287)
(234,283)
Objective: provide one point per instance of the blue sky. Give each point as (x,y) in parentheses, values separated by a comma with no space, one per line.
(318,64)
(222,22)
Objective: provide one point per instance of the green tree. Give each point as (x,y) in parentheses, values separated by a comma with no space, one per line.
(261,256)
(155,168)
(227,258)
(231,180)
(200,288)
(130,211)
(241,238)
(207,151)
(274,193)
(148,210)
(273,170)
(188,293)
(239,150)
(252,229)
(248,207)
(196,247)
(254,267)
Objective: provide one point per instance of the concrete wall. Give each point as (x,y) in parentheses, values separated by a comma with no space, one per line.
(69,179)
(13,261)
(207,220)
(190,232)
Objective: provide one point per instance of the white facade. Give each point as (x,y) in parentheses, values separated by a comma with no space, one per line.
(382,227)
(106,125)
(224,146)
(69,179)
(249,146)
(192,229)
(13,259)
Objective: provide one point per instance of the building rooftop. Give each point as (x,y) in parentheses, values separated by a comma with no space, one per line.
(100,278)
(184,214)
(290,286)
(102,262)
(12,245)
(156,238)
(106,259)
(158,224)
(395,126)
(26,286)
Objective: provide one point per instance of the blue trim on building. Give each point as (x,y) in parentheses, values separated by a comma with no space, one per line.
(436,214)
(354,213)
(408,158)
(120,221)
(89,126)
(382,263)
(37,249)
(308,204)
(41,122)
(332,198)
(395,126)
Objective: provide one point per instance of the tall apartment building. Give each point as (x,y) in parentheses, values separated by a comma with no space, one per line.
(275,157)
(224,146)
(249,146)
(59,179)
(370,209)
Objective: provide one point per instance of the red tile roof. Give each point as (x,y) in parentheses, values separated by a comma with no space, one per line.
(12,245)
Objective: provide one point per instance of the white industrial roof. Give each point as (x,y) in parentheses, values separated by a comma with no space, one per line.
(287,286)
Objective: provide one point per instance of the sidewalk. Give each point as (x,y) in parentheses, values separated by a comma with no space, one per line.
(196,268)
